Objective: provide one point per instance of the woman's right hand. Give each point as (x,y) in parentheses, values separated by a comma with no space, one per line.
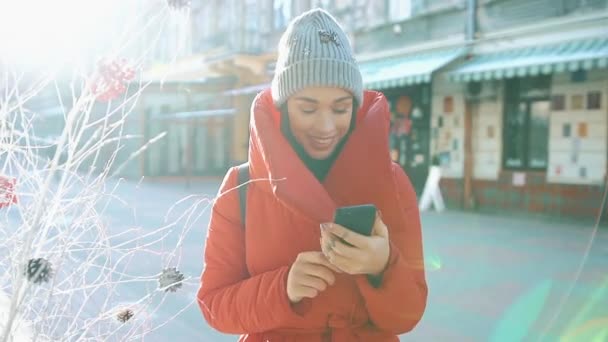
(309,275)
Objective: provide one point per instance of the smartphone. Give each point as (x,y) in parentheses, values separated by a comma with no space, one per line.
(358,218)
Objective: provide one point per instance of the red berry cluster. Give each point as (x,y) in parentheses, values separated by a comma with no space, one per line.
(7,191)
(111,78)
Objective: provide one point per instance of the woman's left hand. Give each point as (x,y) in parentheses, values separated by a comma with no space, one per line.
(367,255)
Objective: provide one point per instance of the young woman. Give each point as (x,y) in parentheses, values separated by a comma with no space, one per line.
(318,142)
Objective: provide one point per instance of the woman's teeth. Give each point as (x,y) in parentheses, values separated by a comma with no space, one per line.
(322,141)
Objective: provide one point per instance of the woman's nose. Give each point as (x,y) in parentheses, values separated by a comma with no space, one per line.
(326,123)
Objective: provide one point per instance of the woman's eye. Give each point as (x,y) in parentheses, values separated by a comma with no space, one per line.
(308,111)
(340,111)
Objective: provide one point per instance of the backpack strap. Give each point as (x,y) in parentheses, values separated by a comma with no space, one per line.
(243,178)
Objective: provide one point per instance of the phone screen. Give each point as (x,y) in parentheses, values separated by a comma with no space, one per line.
(359,218)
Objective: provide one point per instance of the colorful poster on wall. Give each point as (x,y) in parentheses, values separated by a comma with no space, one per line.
(448,104)
(404,105)
(558,170)
(558,102)
(401,125)
(582,130)
(577,102)
(566,130)
(594,100)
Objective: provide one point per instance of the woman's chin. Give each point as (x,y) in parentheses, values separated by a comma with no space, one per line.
(320,155)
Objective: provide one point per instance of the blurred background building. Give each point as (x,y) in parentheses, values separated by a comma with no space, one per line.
(509,97)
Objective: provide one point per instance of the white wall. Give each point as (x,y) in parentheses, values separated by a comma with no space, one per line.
(487,135)
(449,138)
(487,149)
(568,155)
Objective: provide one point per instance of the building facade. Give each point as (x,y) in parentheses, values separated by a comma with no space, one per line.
(515,89)
(509,97)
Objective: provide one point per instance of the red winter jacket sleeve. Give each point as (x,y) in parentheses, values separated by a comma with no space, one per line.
(397,305)
(231,301)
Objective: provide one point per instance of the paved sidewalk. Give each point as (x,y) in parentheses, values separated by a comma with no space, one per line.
(495,278)
(500,278)
(490,278)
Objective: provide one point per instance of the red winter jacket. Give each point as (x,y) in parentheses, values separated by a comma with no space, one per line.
(243,285)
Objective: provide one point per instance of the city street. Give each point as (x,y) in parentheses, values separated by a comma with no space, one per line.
(490,278)
(118,118)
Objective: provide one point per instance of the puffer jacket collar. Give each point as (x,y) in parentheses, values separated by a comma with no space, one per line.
(275,166)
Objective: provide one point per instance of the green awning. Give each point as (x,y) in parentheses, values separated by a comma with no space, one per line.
(568,56)
(406,69)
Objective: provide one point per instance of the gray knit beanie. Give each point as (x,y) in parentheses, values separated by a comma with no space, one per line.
(314,51)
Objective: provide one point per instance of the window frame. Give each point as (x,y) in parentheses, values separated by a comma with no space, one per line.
(513,99)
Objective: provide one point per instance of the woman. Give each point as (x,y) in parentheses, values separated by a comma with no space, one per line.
(318,142)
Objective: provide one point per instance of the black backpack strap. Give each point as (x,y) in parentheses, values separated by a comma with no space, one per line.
(243,178)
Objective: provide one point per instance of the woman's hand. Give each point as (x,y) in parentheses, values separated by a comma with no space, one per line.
(367,255)
(309,275)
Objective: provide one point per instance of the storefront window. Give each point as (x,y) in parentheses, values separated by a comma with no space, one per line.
(538,134)
(514,143)
(526,124)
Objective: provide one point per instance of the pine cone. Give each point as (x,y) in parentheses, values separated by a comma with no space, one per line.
(38,271)
(124,315)
(171,279)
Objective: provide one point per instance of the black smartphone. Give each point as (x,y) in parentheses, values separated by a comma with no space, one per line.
(358,218)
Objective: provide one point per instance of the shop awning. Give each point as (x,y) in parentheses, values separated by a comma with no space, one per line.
(406,69)
(576,55)
(253,89)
